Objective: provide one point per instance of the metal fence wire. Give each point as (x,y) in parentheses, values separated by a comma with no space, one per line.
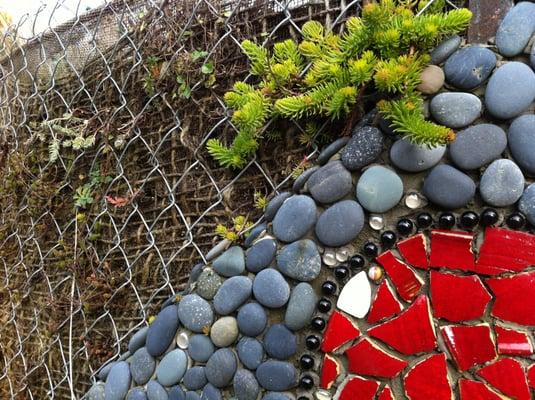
(107,194)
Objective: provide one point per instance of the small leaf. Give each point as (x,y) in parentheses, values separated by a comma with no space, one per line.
(198,54)
(207,68)
(117,201)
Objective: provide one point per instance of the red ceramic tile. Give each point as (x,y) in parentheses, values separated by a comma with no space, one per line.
(330,370)
(452,249)
(472,390)
(386,394)
(458,298)
(339,331)
(414,251)
(411,332)
(507,375)
(469,345)
(505,250)
(513,343)
(407,283)
(429,380)
(358,388)
(514,298)
(366,358)
(384,305)
(531,376)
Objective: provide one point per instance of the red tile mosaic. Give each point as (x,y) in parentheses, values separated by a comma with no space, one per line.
(385,304)
(531,376)
(340,330)
(413,251)
(507,375)
(408,284)
(452,250)
(386,394)
(473,390)
(358,388)
(429,380)
(330,370)
(513,343)
(469,345)
(367,358)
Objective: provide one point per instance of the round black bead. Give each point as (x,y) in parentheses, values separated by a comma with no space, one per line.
(424,220)
(516,220)
(446,220)
(306,382)
(489,217)
(318,323)
(341,273)
(388,239)
(328,288)
(405,226)
(469,219)
(324,305)
(303,398)
(357,262)
(370,249)
(306,362)
(312,342)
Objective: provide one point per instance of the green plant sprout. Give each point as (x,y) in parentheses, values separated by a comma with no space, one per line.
(84,195)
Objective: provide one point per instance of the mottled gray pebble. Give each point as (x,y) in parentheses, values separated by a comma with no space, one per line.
(155,391)
(379,189)
(301,306)
(276,375)
(210,392)
(271,289)
(172,367)
(469,67)
(250,352)
(195,313)
(231,262)
(96,392)
(208,284)
(274,204)
(280,342)
(502,183)
(449,187)
(340,223)
(195,378)
(363,148)
(162,331)
(245,385)
(232,294)
(445,49)
(516,29)
(221,367)
(302,179)
(138,339)
(522,142)
(331,150)
(176,393)
(252,319)
(200,348)
(118,382)
(294,218)
(142,366)
(527,203)
(300,260)
(224,331)
(260,255)
(455,110)
(137,394)
(330,183)
(412,157)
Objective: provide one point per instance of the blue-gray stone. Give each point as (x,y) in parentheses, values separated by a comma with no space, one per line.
(276,396)
(516,29)
(271,289)
(232,294)
(363,148)
(195,378)
(176,393)
(137,394)
(532,56)
(300,260)
(469,67)
(142,366)
(138,339)
(210,392)
(96,392)
(118,382)
(280,342)
(172,367)
(245,385)
(277,376)
(155,391)
(260,255)
(218,249)
(448,187)
(252,319)
(301,306)
(105,370)
(527,203)
(250,352)
(340,223)
(162,331)
(412,157)
(502,183)
(192,396)
(230,263)
(294,218)
(331,150)
(221,367)
(478,145)
(511,89)
(522,142)
(208,284)
(254,233)
(379,189)
(200,348)
(455,110)
(445,49)
(330,183)
(302,179)
(195,313)
(274,204)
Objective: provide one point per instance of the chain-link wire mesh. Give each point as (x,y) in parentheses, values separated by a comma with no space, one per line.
(107,194)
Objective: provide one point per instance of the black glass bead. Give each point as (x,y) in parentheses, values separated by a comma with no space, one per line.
(341,273)
(303,398)
(357,262)
(405,226)
(370,249)
(424,220)
(328,288)
(324,305)
(312,342)
(516,220)
(318,323)
(446,220)
(306,362)
(489,217)
(388,239)
(306,382)
(469,219)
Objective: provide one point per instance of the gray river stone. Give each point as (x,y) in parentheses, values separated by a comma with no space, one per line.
(330,183)
(300,260)
(245,385)
(195,313)
(232,294)
(260,255)
(250,352)
(516,29)
(445,49)
(363,148)
(331,150)
(176,393)
(208,284)
(455,110)
(379,189)
(155,391)
(96,392)
(162,331)
(448,187)
(295,218)
(210,392)
(252,319)
(502,183)
(118,382)
(172,367)
(231,262)
(271,289)
(301,306)
(340,223)
(522,142)
(142,366)
(301,180)
(280,342)
(412,157)
(138,340)
(527,203)
(274,204)
(277,376)
(254,234)
(195,378)
(469,67)
(221,367)
(200,348)
(137,394)
(224,331)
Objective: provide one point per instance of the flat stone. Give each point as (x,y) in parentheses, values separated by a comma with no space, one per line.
(477,146)
(105,370)
(363,148)
(200,348)
(136,394)
(231,262)
(162,331)
(208,284)
(522,142)
(118,382)
(274,204)
(221,367)
(301,306)
(192,396)
(469,67)
(254,233)
(502,183)
(224,331)
(532,56)
(176,393)
(172,367)
(96,392)
(250,352)
(516,29)
(301,180)
(340,223)
(295,218)
(138,340)
(432,80)
(527,203)
(277,376)
(455,110)
(252,319)
(412,157)
(445,49)
(232,294)
(331,150)
(511,89)
(355,298)
(218,249)
(448,187)
(245,385)
(260,255)
(271,289)
(210,392)
(155,391)
(195,313)
(379,189)
(300,260)
(195,378)
(330,183)
(142,366)
(280,342)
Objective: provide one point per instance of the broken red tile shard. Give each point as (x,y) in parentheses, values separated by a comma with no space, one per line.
(507,375)
(339,331)
(531,376)
(386,394)
(514,298)
(384,305)
(358,388)
(366,358)
(513,343)
(469,345)
(452,249)
(413,250)
(429,380)
(329,371)
(458,298)
(472,390)
(505,250)
(411,332)
(406,281)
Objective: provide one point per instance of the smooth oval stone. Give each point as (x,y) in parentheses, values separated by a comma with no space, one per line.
(252,319)
(300,260)
(271,289)
(155,391)
(142,366)
(277,376)
(276,396)
(294,218)
(176,393)
(195,378)
(274,204)
(331,150)
(280,342)
(245,385)
(200,348)
(455,110)
(301,306)
(195,313)
(302,179)
(502,183)
(232,294)
(192,396)
(136,394)
(363,148)
(118,382)
(224,331)
(105,370)
(254,233)
(221,367)
(379,189)
(511,89)
(250,352)
(527,203)
(218,249)
(340,223)
(330,183)
(260,255)
(532,57)
(231,262)
(431,80)
(445,49)
(522,142)
(210,392)
(162,331)
(412,157)
(448,187)
(516,29)
(172,367)
(138,339)
(96,392)
(208,284)
(478,145)
(469,67)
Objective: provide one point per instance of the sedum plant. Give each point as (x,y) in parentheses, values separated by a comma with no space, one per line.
(327,74)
